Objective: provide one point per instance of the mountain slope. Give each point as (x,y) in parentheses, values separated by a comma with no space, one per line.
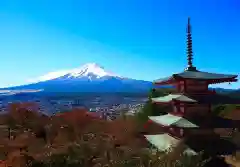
(86,71)
(88,78)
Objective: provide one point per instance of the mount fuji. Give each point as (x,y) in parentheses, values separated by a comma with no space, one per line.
(89,78)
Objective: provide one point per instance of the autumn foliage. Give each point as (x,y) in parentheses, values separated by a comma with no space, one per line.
(76,138)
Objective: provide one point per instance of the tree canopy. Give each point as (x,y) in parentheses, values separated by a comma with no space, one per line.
(151,109)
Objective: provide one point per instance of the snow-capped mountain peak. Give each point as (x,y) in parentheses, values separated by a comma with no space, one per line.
(88,78)
(89,70)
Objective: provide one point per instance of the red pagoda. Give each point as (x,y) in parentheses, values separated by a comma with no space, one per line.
(191,106)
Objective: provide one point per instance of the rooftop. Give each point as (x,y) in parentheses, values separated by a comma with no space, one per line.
(196,121)
(194,144)
(198,98)
(172,120)
(165,142)
(197,75)
(171,97)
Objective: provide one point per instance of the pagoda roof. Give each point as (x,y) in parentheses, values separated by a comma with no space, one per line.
(212,145)
(171,97)
(196,121)
(165,142)
(172,120)
(200,99)
(197,75)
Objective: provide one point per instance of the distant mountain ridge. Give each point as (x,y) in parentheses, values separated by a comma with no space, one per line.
(88,71)
(89,78)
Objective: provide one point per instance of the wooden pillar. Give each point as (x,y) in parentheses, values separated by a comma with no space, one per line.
(178,87)
(185,86)
(176,131)
(182,108)
(176,107)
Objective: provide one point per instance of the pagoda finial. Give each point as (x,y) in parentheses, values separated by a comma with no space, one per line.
(190,66)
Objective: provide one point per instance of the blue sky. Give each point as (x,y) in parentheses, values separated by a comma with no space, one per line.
(142,39)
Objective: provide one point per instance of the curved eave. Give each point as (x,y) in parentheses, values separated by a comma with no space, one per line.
(211,78)
(188,102)
(212,81)
(173,120)
(166,142)
(166,103)
(173,98)
(165,81)
(216,81)
(162,142)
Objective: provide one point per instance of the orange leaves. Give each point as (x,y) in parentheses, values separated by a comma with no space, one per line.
(122,130)
(77,117)
(67,128)
(23,112)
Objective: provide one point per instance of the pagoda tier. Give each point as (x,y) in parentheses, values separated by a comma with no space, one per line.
(210,144)
(180,129)
(197,99)
(194,104)
(204,77)
(172,120)
(165,142)
(195,121)
(173,97)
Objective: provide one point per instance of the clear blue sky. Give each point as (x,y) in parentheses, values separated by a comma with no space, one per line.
(142,39)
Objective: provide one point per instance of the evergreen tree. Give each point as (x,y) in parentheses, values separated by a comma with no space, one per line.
(151,109)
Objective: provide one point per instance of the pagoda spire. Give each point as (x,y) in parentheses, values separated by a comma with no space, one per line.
(190,66)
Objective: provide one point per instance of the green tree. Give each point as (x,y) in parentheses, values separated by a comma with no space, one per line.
(151,109)
(224,109)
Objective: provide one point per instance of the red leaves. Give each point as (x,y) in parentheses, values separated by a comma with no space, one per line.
(77,117)
(22,112)
(124,131)
(68,127)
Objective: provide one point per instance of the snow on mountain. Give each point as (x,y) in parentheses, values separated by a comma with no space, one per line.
(49,76)
(89,70)
(89,78)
